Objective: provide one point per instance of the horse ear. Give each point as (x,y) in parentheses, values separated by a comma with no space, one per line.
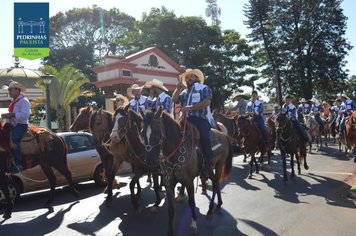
(159,112)
(88,108)
(100,110)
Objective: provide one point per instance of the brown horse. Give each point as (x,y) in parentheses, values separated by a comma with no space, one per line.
(349,137)
(271,128)
(181,161)
(252,141)
(100,129)
(54,156)
(291,143)
(134,149)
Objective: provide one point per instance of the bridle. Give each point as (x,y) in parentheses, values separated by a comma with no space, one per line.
(283,128)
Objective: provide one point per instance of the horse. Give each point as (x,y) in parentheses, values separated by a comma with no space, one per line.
(349,136)
(291,143)
(271,128)
(252,141)
(181,160)
(314,131)
(53,155)
(100,129)
(128,125)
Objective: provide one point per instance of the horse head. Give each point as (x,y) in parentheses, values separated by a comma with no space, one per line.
(81,122)
(243,125)
(281,122)
(151,135)
(100,125)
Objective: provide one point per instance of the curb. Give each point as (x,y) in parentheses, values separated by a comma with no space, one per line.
(352,192)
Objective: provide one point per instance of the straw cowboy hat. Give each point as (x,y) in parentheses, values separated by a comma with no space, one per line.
(15,84)
(120,96)
(344,96)
(303,100)
(236,95)
(156,83)
(133,87)
(195,72)
(314,100)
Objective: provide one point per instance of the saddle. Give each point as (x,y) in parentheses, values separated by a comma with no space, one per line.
(34,141)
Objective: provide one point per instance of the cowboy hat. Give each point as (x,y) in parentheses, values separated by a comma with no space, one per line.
(195,72)
(15,84)
(314,100)
(236,95)
(303,100)
(344,96)
(120,96)
(156,83)
(133,87)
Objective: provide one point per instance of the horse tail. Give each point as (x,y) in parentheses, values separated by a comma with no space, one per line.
(228,163)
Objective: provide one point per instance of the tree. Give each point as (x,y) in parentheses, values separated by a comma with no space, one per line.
(82,36)
(65,88)
(307,38)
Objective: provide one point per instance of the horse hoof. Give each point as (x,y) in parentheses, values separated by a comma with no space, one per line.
(244,161)
(250,177)
(306,167)
(209,215)
(203,192)
(153,209)
(7,215)
(180,198)
(193,227)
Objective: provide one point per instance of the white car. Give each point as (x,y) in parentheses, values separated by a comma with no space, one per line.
(82,159)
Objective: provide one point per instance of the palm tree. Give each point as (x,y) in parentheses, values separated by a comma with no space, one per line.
(65,88)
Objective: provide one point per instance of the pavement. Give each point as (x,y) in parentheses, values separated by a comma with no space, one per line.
(313,203)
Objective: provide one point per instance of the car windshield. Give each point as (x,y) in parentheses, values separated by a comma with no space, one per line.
(77,143)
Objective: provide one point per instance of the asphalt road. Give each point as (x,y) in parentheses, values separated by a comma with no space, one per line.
(314,203)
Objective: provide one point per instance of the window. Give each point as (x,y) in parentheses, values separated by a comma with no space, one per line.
(126,73)
(78,143)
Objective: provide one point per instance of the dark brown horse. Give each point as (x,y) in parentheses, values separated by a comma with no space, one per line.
(181,161)
(252,141)
(271,128)
(291,143)
(53,157)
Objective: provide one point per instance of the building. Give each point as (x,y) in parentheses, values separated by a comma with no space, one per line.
(118,73)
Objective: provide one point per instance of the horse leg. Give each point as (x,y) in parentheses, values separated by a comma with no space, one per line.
(284,163)
(68,175)
(156,188)
(170,200)
(292,164)
(180,196)
(191,201)
(245,155)
(5,189)
(134,197)
(297,156)
(256,164)
(204,185)
(110,175)
(212,200)
(251,165)
(52,181)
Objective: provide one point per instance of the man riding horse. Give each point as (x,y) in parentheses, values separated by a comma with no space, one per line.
(317,109)
(290,110)
(255,107)
(19,113)
(304,108)
(161,98)
(347,107)
(195,98)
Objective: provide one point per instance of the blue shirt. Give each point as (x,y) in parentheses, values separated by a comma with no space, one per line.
(255,107)
(150,103)
(198,93)
(135,104)
(348,106)
(165,101)
(317,108)
(304,108)
(290,110)
(335,109)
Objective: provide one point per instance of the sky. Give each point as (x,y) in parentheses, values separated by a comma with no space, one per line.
(232,17)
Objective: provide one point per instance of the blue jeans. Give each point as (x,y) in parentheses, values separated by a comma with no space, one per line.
(203,126)
(261,125)
(319,120)
(301,130)
(17,132)
(342,123)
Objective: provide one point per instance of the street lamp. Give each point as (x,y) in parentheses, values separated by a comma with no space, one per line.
(47,80)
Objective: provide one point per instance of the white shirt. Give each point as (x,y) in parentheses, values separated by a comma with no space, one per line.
(22,110)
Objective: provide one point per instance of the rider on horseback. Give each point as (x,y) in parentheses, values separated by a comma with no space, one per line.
(162,99)
(255,107)
(19,113)
(316,110)
(303,109)
(347,107)
(336,109)
(195,98)
(290,110)
(138,101)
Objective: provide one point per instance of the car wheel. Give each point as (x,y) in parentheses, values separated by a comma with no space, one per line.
(14,190)
(99,176)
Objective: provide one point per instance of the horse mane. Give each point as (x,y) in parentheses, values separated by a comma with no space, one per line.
(174,126)
(88,108)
